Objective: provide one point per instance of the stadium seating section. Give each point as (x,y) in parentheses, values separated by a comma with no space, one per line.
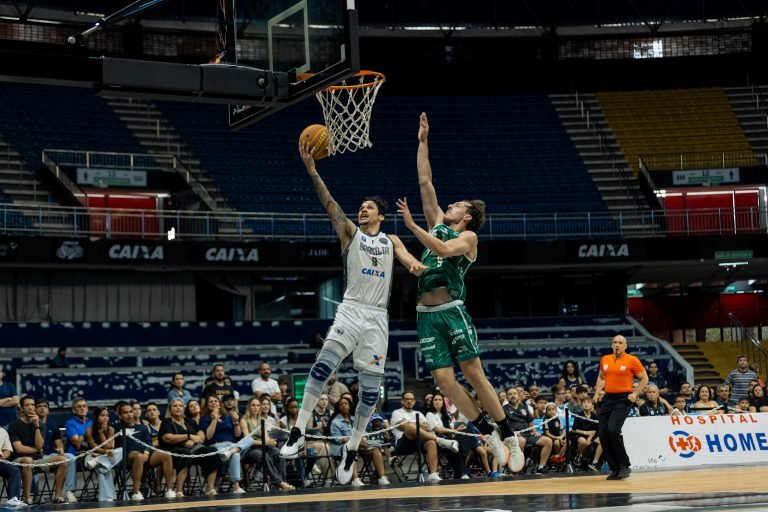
(36,117)
(671,122)
(511,151)
(515,351)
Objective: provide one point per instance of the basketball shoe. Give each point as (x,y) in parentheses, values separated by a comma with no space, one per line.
(500,452)
(346,466)
(293,445)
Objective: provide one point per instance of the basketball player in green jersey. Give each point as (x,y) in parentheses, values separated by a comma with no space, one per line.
(446,333)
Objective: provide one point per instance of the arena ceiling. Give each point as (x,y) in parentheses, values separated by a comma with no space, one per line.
(495,17)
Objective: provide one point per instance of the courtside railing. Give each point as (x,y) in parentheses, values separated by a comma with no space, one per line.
(189,225)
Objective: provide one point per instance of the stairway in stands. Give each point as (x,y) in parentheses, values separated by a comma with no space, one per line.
(712,361)
(18,182)
(158,136)
(583,119)
(751,108)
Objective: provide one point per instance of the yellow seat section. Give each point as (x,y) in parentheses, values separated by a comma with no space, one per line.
(679,128)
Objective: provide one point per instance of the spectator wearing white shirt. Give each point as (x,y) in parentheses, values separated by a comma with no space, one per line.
(264,385)
(406,434)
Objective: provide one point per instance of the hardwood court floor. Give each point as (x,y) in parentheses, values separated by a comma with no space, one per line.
(720,488)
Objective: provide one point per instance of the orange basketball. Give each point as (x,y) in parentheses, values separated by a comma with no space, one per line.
(317,136)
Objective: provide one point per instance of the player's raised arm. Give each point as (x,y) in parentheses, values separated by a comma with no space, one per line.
(465,243)
(432,211)
(408,260)
(344,227)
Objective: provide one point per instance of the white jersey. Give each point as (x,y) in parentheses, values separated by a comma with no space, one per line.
(368,265)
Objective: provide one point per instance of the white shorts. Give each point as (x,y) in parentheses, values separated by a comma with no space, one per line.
(363,331)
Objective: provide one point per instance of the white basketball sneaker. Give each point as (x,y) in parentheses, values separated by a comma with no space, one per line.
(347,465)
(516,458)
(294,445)
(500,452)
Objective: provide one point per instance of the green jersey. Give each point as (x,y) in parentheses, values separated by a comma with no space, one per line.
(444,272)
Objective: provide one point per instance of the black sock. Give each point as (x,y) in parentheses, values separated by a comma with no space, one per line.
(482,425)
(506,430)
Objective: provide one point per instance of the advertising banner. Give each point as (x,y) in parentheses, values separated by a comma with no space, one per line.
(679,441)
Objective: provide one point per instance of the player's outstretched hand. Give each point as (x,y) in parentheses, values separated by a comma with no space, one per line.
(402,209)
(417,268)
(306,155)
(423,127)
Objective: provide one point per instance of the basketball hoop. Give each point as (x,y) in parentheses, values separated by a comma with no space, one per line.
(347,111)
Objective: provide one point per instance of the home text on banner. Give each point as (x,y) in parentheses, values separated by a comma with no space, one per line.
(675,441)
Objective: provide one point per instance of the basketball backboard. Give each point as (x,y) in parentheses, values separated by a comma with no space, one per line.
(314,43)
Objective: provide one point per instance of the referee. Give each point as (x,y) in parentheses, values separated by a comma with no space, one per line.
(614,390)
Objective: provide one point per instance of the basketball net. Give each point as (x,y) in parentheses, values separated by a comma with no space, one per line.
(347,111)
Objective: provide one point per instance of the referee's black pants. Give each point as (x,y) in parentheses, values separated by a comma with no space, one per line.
(614,409)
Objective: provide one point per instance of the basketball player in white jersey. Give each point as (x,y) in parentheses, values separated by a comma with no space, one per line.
(360,326)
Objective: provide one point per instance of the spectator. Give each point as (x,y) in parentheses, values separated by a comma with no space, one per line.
(404,419)
(192,411)
(235,393)
(263,384)
(9,399)
(533,393)
(153,421)
(739,379)
(218,386)
(743,405)
(584,435)
(723,396)
(755,368)
(553,429)
(76,427)
(136,407)
(10,473)
(27,440)
(560,399)
(654,404)
(250,423)
(53,445)
(182,436)
(285,393)
(759,402)
(105,455)
(443,426)
(266,414)
(60,359)
(139,452)
(570,376)
(704,403)
(229,407)
(334,389)
(177,390)
(520,419)
(681,406)
(540,408)
(654,377)
(686,391)
(321,417)
(578,396)
(426,401)
(223,433)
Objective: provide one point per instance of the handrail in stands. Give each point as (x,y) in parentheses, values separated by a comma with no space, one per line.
(247,226)
(621,171)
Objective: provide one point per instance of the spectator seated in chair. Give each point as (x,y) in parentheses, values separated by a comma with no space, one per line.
(250,423)
(28,442)
(105,454)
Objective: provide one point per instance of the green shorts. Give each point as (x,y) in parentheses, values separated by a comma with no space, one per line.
(446,334)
